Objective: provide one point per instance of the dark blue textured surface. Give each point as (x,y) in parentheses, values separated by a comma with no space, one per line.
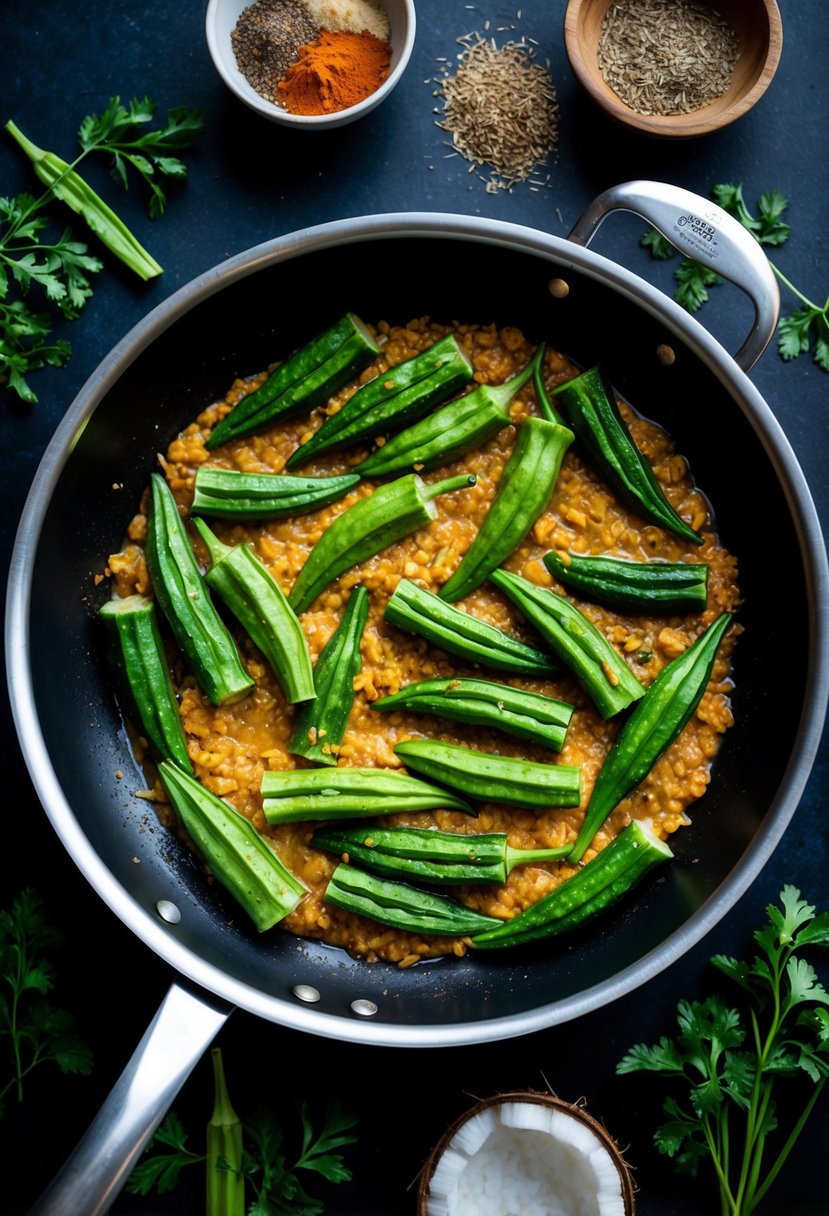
(250,181)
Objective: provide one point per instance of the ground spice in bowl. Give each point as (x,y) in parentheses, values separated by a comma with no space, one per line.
(339,70)
(266,39)
(666,56)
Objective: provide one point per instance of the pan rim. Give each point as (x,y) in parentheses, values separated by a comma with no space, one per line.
(562,253)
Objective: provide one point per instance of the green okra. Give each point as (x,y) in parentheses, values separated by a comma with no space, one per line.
(590,404)
(524,490)
(452,431)
(595,887)
(182,593)
(529,715)
(401,905)
(392,400)
(231,494)
(144,663)
(488,777)
(320,725)
(653,725)
(653,586)
(68,185)
(431,855)
(418,611)
(241,860)
(257,601)
(303,381)
(598,666)
(224,1176)
(366,527)
(297,795)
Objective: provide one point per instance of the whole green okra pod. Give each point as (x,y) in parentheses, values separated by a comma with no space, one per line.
(401,905)
(257,601)
(452,431)
(652,587)
(306,378)
(524,489)
(592,890)
(652,726)
(297,795)
(600,669)
(319,726)
(590,405)
(368,526)
(418,611)
(144,664)
(488,777)
(231,494)
(242,860)
(182,593)
(529,715)
(391,400)
(431,855)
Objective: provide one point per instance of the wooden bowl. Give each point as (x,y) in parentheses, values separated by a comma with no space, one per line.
(759,33)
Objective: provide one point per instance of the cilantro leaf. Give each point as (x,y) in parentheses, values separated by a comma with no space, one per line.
(693,281)
(160,1171)
(660,247)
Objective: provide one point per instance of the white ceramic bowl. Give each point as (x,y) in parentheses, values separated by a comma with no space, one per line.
(221,19)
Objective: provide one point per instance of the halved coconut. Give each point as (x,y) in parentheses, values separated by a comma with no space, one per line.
(526,1154)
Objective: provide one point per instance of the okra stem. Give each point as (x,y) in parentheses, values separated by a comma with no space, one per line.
(653,725)
(225,1180)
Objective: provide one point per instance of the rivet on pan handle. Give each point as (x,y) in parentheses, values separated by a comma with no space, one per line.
(89,1181)
(701,230)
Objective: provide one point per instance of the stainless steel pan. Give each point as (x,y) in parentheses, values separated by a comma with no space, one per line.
(233,321)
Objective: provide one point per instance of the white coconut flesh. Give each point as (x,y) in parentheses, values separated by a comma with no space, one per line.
(526,1159)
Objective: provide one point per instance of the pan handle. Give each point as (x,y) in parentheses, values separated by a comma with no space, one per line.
(91,1178)
(701,230)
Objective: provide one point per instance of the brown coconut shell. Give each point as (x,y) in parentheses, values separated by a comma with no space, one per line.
(540,1098)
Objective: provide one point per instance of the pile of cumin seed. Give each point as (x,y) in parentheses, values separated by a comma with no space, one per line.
(501,109)
(666,56)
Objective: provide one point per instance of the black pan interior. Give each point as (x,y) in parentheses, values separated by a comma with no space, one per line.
(237,331)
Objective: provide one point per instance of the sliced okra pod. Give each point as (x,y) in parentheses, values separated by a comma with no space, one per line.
(401,905)
(184,598)
(296,795)
(231,494)
(524,489)
(302,381)
(654,586)
(652,726)
(451,431)
(590,405)
(418,611)
(368,526)
(529,715)
(392,400)
(238,856)
(144,664)
(487,777)
(319,726)
(598,666)
(431,855)
(591,890)
(259,604)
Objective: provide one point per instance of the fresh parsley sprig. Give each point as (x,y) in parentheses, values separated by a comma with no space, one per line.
(806,329)
(729,1061)
(61,267)
(33,1029)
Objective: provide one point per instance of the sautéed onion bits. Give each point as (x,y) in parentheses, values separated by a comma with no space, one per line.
(233,745)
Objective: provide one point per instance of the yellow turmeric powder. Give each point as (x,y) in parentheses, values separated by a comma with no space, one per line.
(337,71)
